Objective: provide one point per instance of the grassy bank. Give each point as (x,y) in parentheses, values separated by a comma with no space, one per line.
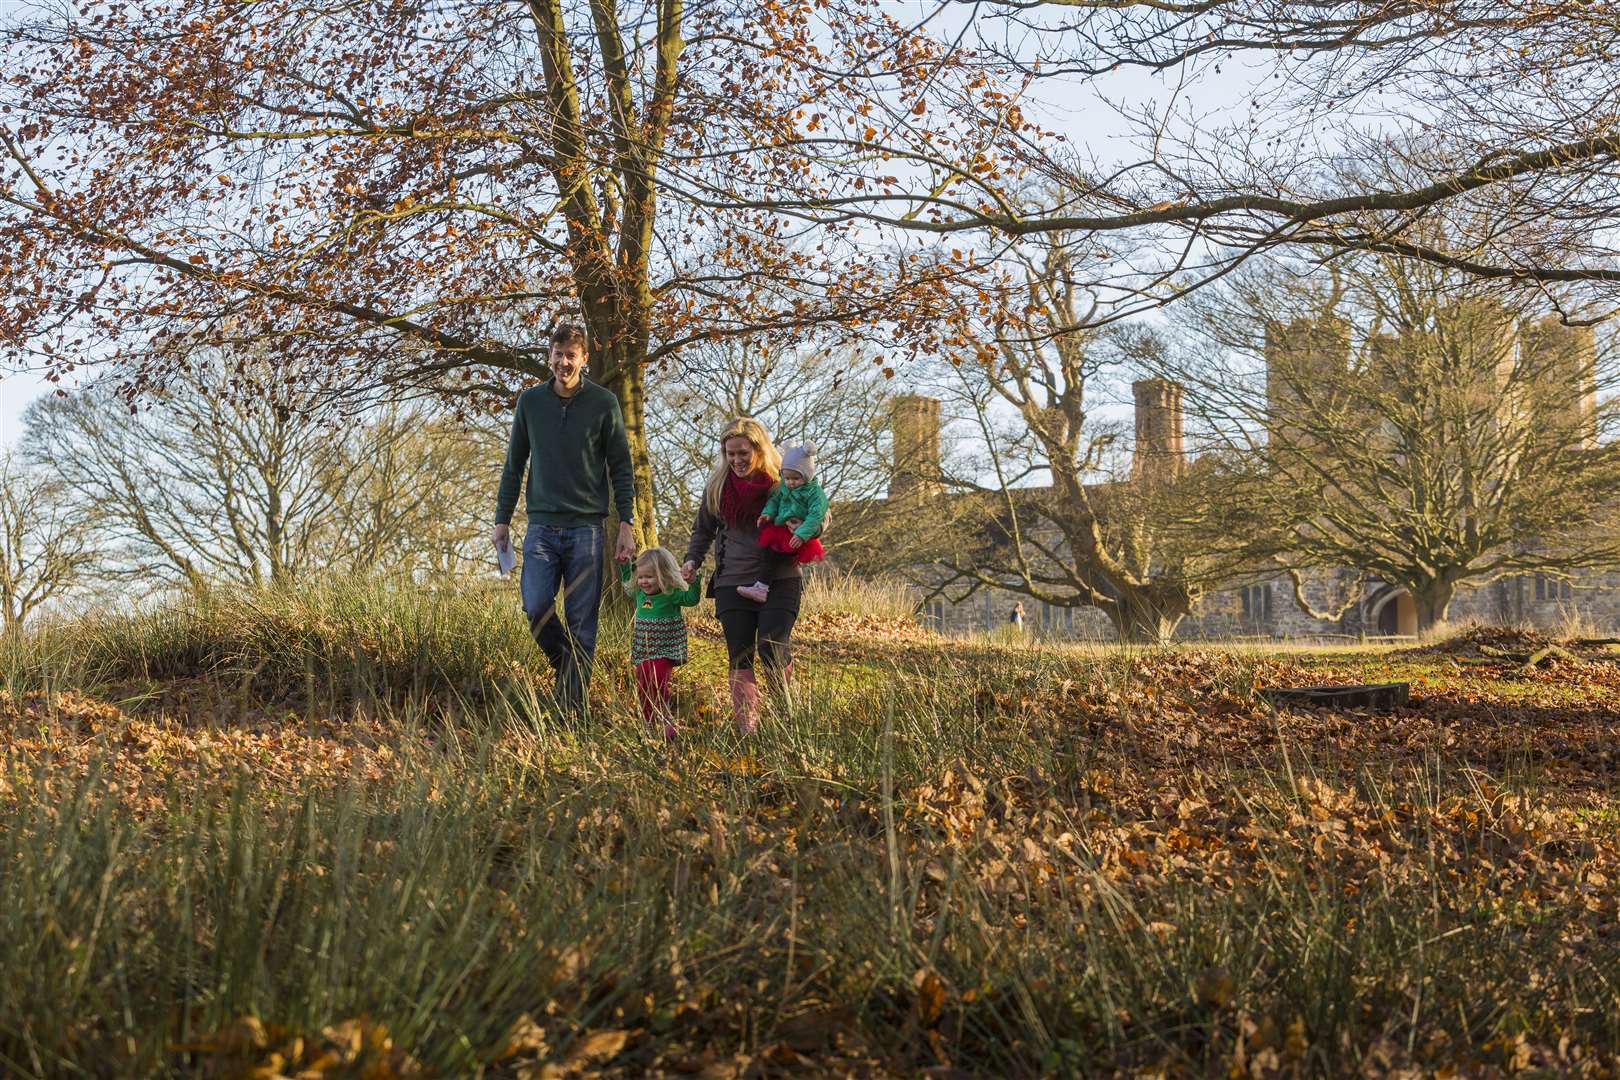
(347,641)
(273,832)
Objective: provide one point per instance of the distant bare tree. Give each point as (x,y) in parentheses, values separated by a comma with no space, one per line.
(1107,532)
(835,401)
(205,483)
(1404,421)
(412,492)
(218,479)
(44,548)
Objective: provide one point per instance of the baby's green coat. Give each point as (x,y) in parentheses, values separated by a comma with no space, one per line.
(806,501)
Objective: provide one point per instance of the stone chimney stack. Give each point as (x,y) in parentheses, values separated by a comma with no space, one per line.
(1563,359)
(1159,452)
(915,426)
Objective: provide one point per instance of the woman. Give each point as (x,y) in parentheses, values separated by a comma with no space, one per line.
(732,500)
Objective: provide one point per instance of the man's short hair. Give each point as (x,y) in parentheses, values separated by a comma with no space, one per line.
(569,333)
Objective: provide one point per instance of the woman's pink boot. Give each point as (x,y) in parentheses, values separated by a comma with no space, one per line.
(744,701)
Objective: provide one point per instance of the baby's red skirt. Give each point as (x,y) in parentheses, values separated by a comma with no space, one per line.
(778,538)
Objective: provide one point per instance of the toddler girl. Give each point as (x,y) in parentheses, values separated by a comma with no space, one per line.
(658,634)
(793,515)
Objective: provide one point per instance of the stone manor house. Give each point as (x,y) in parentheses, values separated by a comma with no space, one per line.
(1255,609)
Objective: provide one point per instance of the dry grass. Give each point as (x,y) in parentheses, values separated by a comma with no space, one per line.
(827,591)
(941,858)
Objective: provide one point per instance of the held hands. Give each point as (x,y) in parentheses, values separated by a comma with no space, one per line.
(627,543)
(762,522)
(796,543)
(688,571)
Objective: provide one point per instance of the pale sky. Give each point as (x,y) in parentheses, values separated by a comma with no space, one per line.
(16,391)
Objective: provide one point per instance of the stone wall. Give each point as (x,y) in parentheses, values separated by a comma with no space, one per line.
(988,609)
(1590,603)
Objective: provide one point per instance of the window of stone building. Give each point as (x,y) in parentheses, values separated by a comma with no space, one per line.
(1551,588)
(1257,602)
(934,614)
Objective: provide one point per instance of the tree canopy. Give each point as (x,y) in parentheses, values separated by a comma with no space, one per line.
(411,193)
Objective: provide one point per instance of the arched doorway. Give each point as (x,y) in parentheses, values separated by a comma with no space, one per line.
(1392,612)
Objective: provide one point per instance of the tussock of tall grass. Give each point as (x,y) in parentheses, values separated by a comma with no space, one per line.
(845,594)
(1573,623)
(1445,631)
(362,635)
(357,638)
(50,654)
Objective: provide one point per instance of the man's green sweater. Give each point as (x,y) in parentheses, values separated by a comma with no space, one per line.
(575,450)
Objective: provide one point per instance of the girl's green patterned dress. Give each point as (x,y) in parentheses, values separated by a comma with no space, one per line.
(659,630)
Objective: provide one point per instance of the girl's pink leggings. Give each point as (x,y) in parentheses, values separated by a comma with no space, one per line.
(652,690)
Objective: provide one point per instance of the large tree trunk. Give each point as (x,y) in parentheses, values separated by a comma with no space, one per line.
(627,378)
(1432,603)
(1146,616)
(629,383)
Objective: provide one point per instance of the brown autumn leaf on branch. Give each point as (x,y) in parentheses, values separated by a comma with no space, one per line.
(408,201)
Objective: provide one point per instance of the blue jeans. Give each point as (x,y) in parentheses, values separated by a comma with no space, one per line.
(567,558)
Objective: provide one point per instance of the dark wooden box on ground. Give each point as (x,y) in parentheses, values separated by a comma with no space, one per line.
(1370,696)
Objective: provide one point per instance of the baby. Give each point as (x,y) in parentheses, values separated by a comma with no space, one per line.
(792,517)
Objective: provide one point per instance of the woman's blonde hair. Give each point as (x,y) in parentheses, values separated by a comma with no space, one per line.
(767,458)
(666,571)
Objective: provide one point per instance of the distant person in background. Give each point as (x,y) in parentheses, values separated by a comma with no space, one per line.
(756,627)
(568,435)
(1016,618)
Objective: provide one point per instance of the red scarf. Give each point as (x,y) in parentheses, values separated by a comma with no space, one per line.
(742,498)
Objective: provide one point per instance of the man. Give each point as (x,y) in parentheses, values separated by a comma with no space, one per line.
(568,433)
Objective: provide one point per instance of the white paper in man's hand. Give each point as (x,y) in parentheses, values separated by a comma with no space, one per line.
(505,557)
